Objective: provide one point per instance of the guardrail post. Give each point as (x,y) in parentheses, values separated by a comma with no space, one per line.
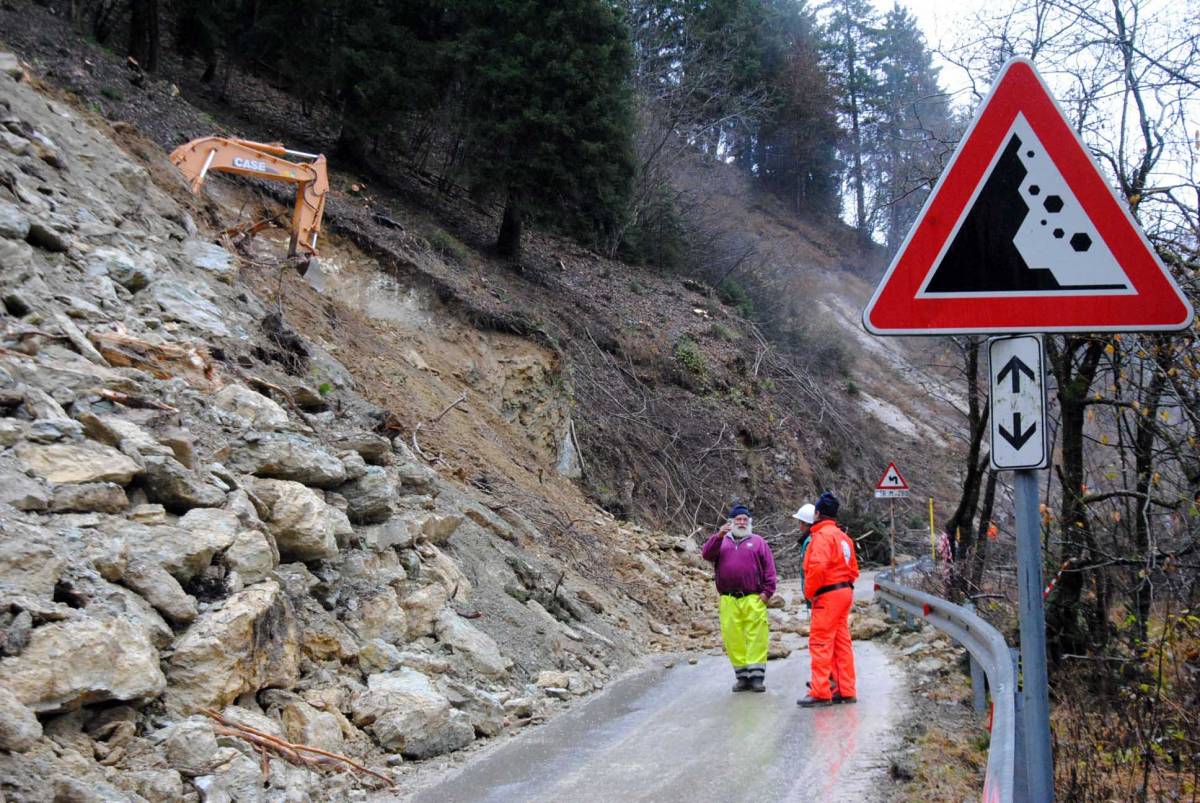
(1020,776)
(978,690)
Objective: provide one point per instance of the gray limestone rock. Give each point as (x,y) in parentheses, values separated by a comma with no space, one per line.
(14,225)
(98,497)
(181,303)
(405,714)
(19,728)
(371,497)
(77,462)
(283,456)
(249,643)
(23,493)
(82,661)
(211,259)
(131,272)
(304,526)
(167,482)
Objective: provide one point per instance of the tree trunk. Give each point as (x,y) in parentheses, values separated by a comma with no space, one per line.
(979,554)
(143,33)
(860,202)
(958,526)
(1068,629)
(508,243)
(1145,430)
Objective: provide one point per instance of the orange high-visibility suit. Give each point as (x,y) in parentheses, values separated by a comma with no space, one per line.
(830,569)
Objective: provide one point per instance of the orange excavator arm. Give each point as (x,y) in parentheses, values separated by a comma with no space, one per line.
(198,158)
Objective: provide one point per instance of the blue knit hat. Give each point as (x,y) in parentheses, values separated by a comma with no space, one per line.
(738,510)
(828,505)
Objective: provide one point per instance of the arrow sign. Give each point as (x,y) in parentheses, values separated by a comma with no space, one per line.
(1018,402)
(1023,233)
(1015,367)
(1017,438)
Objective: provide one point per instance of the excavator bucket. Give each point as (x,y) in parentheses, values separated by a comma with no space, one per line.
(311,270)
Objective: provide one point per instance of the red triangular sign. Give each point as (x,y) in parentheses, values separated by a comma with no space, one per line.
(1023,234)
(891,480)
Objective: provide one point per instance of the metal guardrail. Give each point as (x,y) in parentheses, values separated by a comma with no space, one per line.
(987,648)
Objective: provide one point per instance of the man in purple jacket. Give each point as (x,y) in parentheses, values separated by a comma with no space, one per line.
(745,572)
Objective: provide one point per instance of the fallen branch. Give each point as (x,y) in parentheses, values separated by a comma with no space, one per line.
(440,416)
(288,750)
(138,402)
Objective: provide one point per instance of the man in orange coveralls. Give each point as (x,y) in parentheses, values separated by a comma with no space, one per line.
(830,569)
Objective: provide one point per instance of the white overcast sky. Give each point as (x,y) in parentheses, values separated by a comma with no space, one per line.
(942,22)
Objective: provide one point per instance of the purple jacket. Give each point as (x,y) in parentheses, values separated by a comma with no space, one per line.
(746,567)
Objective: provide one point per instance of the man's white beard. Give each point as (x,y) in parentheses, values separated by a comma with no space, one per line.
(740,531)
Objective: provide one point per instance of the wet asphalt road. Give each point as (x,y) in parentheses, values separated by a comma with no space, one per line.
(679,734)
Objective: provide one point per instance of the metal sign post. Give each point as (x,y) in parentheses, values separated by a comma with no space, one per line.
(1035,686)
(1018,415)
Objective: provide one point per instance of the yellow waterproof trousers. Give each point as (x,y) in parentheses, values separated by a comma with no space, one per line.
(744,631)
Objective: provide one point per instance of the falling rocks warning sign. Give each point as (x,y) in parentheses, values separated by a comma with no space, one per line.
(1024,234)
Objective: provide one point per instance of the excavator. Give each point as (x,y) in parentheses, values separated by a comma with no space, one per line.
(198,158)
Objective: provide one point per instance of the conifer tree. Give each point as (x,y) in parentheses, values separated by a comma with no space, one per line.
(913,122)
(550,113)
(850,32)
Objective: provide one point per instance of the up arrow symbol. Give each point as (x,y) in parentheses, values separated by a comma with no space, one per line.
(1016,367)
(1017,438)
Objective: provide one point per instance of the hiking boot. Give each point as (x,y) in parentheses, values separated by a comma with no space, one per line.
(808,701)
(840,700)
(743,684)
(758,683)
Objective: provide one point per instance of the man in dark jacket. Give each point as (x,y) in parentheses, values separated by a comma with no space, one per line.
(745,574)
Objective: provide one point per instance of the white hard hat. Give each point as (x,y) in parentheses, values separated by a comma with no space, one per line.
(806,514)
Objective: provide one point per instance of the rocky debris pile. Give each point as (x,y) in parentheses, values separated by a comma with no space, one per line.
(188,527)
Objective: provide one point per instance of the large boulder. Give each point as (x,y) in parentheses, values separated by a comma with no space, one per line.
(285,456)
(304,526)
(250,643)
(182,303)
(88,497)
(23,493)
(306,725)
(378,616)
(254,408)
(210,258)
(178,489)
(19,728)
(31,560)
(374,449)
(252,555)
(77,462)
(158,587)
(406,715)
(185,550)
(83,661)
(370,497)
(131,272)
(422,607)
(476,648)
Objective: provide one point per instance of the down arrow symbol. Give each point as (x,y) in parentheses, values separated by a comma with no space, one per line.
(1017,438)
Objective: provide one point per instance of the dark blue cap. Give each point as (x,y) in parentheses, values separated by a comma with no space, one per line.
(739,510)
(828,505)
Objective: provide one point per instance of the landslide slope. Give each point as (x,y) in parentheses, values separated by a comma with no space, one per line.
(203,510)
(676,404)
